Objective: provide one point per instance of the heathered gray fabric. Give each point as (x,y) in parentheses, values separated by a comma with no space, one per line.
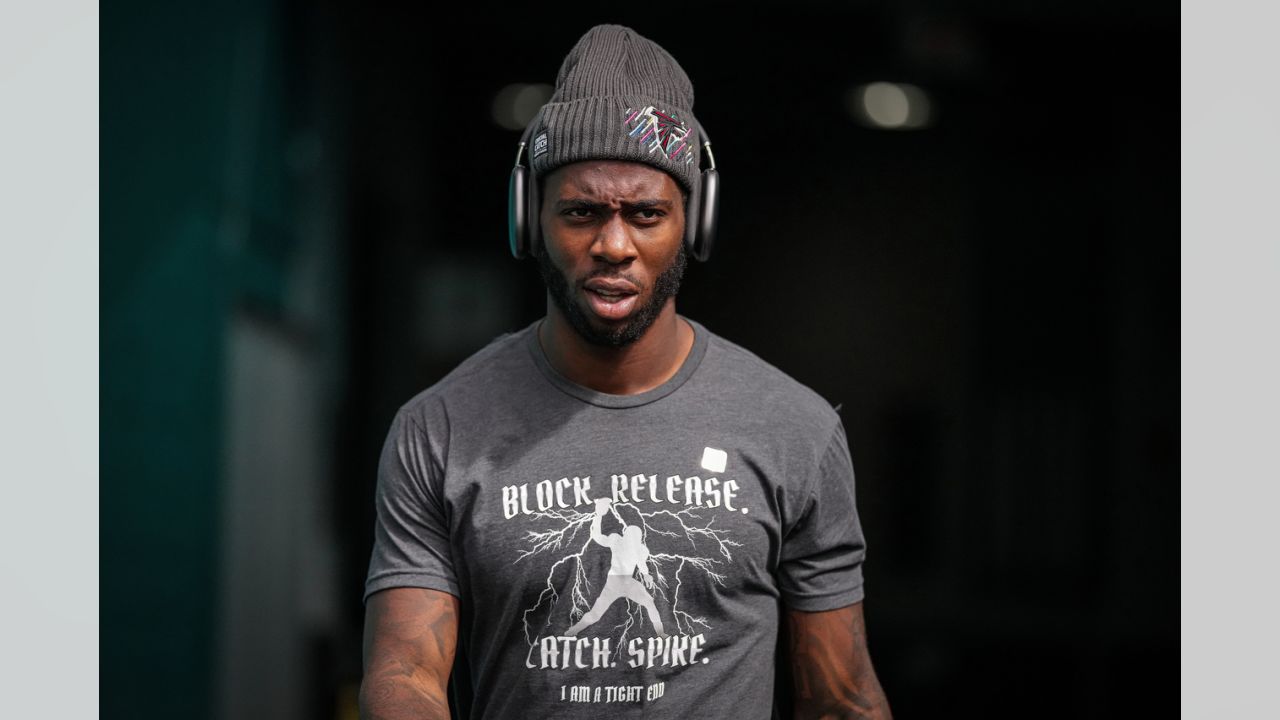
(450,516)
(613,74)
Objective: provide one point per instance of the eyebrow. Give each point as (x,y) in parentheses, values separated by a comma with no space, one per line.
(583,204)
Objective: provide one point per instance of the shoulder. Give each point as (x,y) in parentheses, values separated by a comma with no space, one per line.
(759,385)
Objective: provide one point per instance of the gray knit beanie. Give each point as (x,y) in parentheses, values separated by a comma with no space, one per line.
(619,96)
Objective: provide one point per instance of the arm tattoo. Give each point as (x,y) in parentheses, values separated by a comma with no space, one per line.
(831,668)
(410,640)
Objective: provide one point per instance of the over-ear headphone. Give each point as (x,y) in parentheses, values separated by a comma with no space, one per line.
(523,203)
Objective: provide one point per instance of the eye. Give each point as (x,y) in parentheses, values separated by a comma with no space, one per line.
(648,214)
(577,213)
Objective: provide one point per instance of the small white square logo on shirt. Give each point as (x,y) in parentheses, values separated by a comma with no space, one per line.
(714,460)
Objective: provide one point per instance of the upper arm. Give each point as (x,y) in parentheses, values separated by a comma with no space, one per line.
(831,666)
(820,561)
(412,545)
(410,637)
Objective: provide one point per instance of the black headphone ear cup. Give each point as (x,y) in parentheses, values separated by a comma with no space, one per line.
(692,211)
(532,214)
(708,214)
(518,212)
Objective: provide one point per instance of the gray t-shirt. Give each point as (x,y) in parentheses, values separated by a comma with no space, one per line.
(730,490)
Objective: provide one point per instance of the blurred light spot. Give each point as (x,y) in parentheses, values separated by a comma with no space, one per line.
(516,104)
(890,106)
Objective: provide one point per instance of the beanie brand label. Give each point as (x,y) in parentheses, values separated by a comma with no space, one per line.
(658,130)
(540,145)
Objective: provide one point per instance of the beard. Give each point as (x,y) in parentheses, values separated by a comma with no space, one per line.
(564,295)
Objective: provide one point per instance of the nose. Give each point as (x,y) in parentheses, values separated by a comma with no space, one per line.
(613,243)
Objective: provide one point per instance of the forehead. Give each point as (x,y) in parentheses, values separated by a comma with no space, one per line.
(607,179)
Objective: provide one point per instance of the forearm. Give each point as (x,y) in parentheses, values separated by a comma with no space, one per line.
(596,534)
(832,675)
(410,638)
(398,692)
(866,704)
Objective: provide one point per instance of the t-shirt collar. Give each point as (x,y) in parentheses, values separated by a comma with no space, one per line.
(607,400)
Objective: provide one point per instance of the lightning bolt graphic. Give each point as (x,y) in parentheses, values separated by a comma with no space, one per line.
(569,537)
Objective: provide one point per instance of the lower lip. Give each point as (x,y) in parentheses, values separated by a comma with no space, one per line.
(611,308)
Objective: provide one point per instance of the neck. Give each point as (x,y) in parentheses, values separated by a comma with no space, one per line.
(628,370)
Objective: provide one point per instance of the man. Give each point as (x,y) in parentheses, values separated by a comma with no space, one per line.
(629,556)
(519,497)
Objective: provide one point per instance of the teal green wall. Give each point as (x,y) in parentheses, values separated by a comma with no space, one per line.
(168,282)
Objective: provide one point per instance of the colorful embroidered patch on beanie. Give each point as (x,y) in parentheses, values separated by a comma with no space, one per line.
(659,131)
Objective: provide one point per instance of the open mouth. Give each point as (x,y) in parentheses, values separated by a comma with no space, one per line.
(611,305)
(611,298)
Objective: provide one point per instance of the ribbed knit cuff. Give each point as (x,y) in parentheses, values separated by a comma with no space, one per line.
(617,128)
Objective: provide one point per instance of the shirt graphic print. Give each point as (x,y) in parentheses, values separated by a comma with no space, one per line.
(640,562)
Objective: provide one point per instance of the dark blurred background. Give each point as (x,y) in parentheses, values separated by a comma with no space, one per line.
(303,224)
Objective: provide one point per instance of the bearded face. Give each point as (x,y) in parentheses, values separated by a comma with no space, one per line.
(613,247)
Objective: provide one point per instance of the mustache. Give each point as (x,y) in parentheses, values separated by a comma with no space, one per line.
(611,274)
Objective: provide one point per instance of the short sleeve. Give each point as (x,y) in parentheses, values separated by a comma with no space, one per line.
(820,566)
(411,546)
